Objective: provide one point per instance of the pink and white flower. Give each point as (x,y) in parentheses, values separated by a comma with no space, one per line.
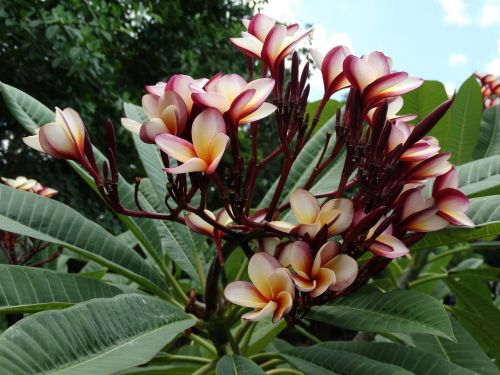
(371,75)
(270,292)
(393,107)
(205,153)
(335,214)
(434,166)
(29,185)
(62,139)
(425,148)
(230,94)
(331,66)
(316,274)
(268,41)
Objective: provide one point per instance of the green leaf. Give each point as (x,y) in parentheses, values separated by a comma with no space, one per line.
(304,164)
(263,334)
(237,365)
(176,238)
(465,352)
(28,289)
(101,336)
(488,141)
(320,360)
(329,111)
(411,359)
(483,211)
(49,220)
(479,176)
(478,315)
(459,133)
(483,273)
(31,114)
(424,100)
(400,311)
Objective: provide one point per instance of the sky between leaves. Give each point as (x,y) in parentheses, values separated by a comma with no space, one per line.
(444,40)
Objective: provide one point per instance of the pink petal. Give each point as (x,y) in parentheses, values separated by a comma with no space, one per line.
(131,125)
(245,294)
(260,268)
(56,141)
(192,165)
(451,200)
(311,229)
(282,226)
(346,270)
(447,180)
(324,255)
(301,259)
(432,167)
(176,147)
(388,246)
(325,278)
(289,45)
(150,105)
(414,202)
(157,89)
(305,206)
(206,126)
(317,56)
(304,285)
(212,100)
(269,245)
(263,87)
(359,72)
(285,303)
(426,222)
(198,225)
(231,85)
(150,129)
(179,83)
(260,314)
(170,99)
(332,65)
(250,46)
(457,218)
(75,126)
(341,210)
(273,45)
(263,111)
(239,104)
(260,25)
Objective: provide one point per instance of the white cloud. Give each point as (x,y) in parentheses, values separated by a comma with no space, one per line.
(493,66)
(490,13)
(455,12)
(457,60)
(282,10)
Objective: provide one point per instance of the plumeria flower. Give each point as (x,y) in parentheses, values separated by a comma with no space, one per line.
(270,292)
(62,139)
(268,41)
(209,144)
(451,202)
(419,214)
(393,107)
(30,185)
(331,66)
(335,214)
(198,225)
(168,107)
(315,274)
(230,93)
(372,76)
(432,167)
(385,244)
(425,148)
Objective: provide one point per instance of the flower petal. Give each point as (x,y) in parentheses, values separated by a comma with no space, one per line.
(304,285)
(263,87)
(285,303)
(305,206)
(245,294)
(301,259)
(273,45)
(250,46)
(260,268)
(346,270)
(217,148)
(192,165)
(150,105)
(260,314)
(260,25)
(198,225)
(447,180)
(263,111)
(388,246)
(426,222)
(337,214)
(131,125)
(457,218)
(175,147)
(324,255)
(33,141)
(451,200)
(282,226)
(325,278)
(57,142)
(212,100)
(206,126)
(152,128)
(279,281)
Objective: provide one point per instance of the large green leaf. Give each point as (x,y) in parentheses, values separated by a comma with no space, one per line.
(488,141)
(264,332)
(478,315)
(459,132)
(485,213)
(31,114)
(28,289)
(479,176)
(101,336)
(304,164)
(411,359)
(49,220)
(319,360)
(176,238)
(465,352)
(328,112)
(401,311)
(237,365)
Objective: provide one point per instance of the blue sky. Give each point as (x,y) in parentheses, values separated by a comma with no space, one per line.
(444,40)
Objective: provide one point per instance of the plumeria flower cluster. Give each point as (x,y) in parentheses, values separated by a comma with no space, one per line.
(304,248)
(490,89)
(30,185)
